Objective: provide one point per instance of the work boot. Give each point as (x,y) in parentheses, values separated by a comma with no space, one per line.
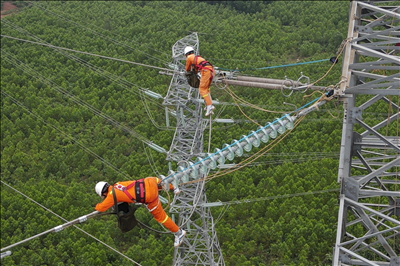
(179,236)
(210,109)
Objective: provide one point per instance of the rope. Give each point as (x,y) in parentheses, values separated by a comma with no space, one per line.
(277,197)
(73,225)
(250,159)
(270,67)
(34,3)
(81,52)
(81,102)
(107,163)
(123,83)
(296,123)
(151,229)
(209,136)
(235,97)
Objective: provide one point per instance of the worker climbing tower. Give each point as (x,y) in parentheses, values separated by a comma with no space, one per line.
(368,221)
(201,246)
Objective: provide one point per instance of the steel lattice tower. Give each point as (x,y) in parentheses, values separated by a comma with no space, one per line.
(368,231)
(201,246)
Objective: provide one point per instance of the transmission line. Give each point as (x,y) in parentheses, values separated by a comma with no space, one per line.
(97,112)
(109,164)
(226,203)
(94,32)
(47,209)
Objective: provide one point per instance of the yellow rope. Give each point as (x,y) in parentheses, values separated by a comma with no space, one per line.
(250,159)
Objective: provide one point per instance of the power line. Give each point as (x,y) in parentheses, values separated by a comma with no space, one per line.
(122,82)
(81,52)
(55,230)
(216,204)
(66,135)
(94,32)
(97,112)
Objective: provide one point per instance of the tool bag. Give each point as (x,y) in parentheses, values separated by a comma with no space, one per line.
(193,79)
(125,215)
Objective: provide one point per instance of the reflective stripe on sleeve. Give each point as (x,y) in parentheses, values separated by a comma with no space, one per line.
(166,218)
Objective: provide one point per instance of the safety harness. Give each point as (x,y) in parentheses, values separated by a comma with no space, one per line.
(140,191)
(192,76)
(202,64)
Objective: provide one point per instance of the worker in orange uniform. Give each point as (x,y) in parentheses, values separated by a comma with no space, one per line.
(141,191)
(207,71)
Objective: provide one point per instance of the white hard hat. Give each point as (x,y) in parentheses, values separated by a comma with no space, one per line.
(100,186)
(188,49)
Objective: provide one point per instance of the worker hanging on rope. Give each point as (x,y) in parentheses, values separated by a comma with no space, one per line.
(141,191)
(198,63)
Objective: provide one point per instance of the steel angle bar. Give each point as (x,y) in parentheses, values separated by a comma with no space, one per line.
(374,91)
(387,42)
(384,123)
(370,224)
(392,81)
(376,143)
(375,76)
(368,236)
(373,53)
(384,210)
(372,67)
(347,251)
(379,171)
(361,206)
(371,63)
(377,193)
(390,33)
(376,133)
(380,10)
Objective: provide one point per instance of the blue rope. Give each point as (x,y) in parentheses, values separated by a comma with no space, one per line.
(278,119)
(295,64)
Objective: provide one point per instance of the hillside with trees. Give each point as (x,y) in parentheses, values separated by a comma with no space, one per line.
(55,146)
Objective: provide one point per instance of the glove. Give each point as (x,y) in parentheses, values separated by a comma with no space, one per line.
(177,191)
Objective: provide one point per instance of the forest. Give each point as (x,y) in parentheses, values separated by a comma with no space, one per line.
(54,147)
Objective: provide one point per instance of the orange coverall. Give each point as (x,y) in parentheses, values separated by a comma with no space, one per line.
(152,186)
(207,74)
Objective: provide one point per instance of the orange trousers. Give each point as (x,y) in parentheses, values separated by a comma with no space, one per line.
(154,205)
(205,83)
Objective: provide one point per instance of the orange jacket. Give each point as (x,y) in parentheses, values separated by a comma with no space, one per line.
(151,186)
(190,61)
